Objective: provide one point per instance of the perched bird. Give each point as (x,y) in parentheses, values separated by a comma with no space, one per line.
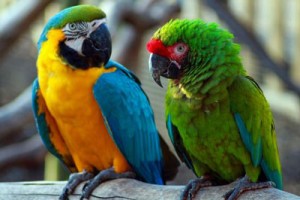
(217,116)
(91,112)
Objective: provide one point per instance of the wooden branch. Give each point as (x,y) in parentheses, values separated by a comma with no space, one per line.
(138,18)
(129,189)
(16,114)
(29,152)
(17,21)
(143,19)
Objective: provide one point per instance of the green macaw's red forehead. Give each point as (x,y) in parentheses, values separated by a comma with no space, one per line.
(171,33)
(166,36)
(197,34)
(156,46)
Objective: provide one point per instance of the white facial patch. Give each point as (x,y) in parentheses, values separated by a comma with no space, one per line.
(150,62)
(76,44)
(77,32)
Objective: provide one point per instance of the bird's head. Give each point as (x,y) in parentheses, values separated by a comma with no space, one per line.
(190,49)
(79,36)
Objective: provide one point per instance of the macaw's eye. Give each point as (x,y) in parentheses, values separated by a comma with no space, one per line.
(94,24)
(180,49)
(72,26)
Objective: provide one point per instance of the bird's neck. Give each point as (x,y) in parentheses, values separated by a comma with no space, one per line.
(208,85)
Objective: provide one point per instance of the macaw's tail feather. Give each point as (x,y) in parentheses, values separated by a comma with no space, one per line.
(171,163)
(150,172)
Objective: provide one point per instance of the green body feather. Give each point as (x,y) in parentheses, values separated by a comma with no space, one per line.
(222,117)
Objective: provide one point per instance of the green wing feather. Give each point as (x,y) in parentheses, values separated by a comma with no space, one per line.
(255,123)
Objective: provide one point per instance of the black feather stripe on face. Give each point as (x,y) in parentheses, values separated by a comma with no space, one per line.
(72,57)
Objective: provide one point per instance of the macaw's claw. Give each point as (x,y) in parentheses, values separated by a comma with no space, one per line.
(244,184)
(192,188)
(104,175)
(74,180)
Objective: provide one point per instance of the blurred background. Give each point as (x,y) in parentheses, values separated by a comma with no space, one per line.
(268,30)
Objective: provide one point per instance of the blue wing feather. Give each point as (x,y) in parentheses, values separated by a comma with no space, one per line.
(129,119)
(273,175)
(256,152)
(254,121)
(254,149)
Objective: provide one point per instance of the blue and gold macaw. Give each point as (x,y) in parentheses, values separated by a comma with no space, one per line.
(91,112)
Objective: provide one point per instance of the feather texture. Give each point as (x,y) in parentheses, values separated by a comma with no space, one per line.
(254,121)
(217,117)
(130,121)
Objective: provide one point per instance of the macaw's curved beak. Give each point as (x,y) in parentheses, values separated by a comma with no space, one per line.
(97,46)
(162,66)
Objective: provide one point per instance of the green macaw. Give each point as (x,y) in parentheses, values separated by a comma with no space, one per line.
(217,117)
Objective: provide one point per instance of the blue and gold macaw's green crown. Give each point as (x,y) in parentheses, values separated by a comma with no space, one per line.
(69,15)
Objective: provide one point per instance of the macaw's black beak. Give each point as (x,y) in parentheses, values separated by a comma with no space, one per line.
(95,50)
(162,66)
(97,47)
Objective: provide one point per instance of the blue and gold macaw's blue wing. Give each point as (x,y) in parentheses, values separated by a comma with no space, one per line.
(130,121)
(48,130)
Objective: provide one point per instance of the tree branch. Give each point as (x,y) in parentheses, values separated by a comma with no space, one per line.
(16,114)
(28,152)
(129,189)
(138,18)
(17,20)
